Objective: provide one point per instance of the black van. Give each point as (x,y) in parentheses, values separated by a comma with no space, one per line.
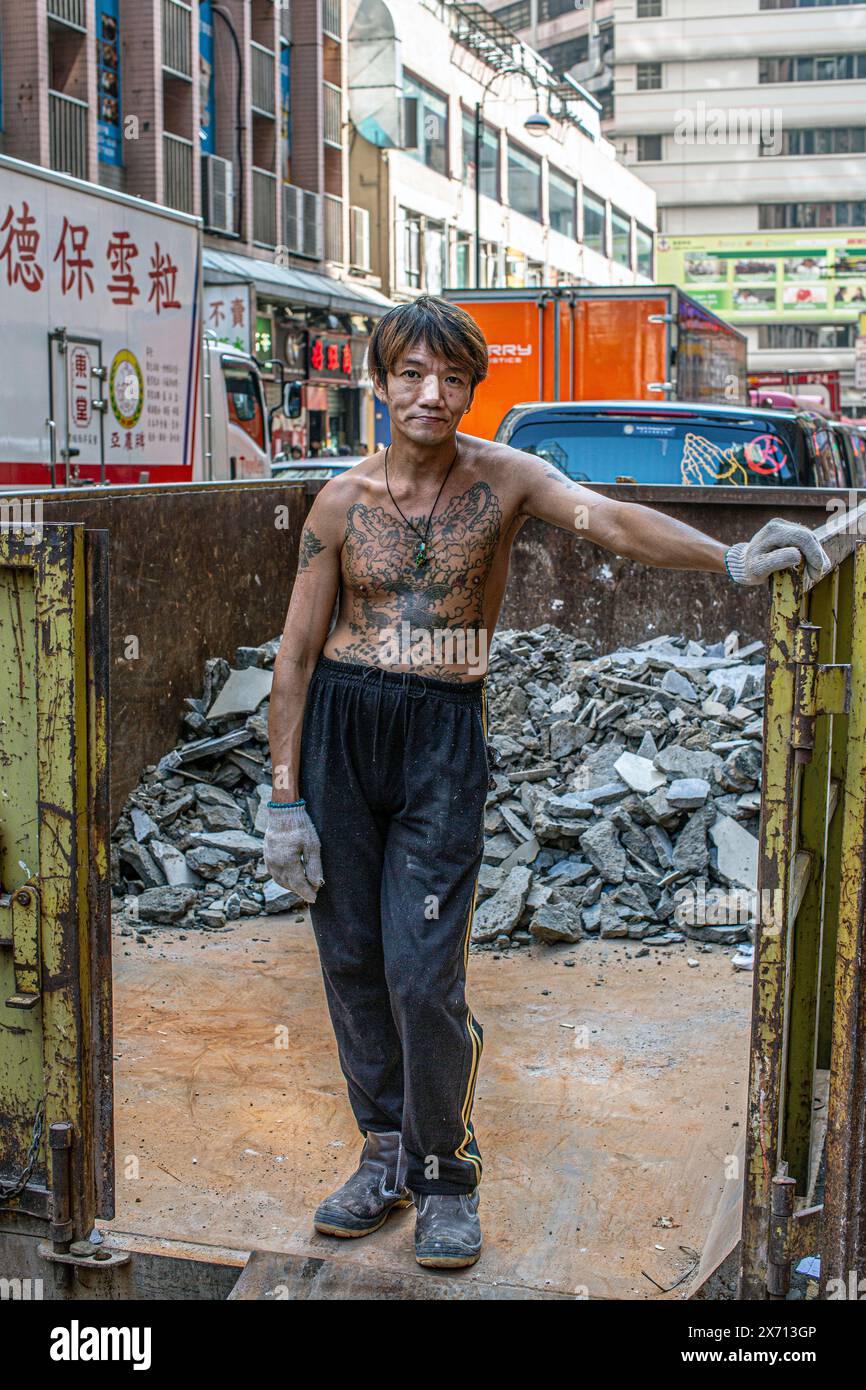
(679,442)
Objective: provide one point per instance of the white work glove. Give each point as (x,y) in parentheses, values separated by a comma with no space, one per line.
(780,545)
(293,852)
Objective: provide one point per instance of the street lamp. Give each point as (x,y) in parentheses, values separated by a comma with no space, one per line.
(536,125)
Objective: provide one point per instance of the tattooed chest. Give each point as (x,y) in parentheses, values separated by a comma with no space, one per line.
(381,554)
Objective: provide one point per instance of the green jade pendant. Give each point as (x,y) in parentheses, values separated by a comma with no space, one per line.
(421,556)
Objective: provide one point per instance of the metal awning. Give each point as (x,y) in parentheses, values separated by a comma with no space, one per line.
(293,285)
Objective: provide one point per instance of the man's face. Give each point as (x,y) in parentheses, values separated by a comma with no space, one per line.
(427,396)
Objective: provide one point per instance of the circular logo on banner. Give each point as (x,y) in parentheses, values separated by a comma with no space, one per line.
(126,388)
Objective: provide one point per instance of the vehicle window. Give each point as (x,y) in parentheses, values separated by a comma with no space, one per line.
(854,446)
(829,468)
(245,403)
(743,454)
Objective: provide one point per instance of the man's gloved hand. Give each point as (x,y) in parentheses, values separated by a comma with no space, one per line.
(293,852)
(777,546)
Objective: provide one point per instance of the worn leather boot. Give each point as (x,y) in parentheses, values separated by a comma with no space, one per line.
(376,1187)
(447,1229)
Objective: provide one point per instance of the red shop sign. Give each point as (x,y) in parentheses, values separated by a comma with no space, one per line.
(330,358)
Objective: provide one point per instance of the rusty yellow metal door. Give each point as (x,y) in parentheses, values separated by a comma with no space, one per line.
(804,1190)
(56,1155)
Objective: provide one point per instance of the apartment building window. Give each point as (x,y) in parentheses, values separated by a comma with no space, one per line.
(849,139)
(524,182)
(534,274)
(802,335)
(805,4)
(562,203)
(422,245)
(773,216)
(620,226)
(562,56)
(594,223)
(517,16)
(649,147)
(491,265)
(435,247)
(463,260)
(552,9)
(649,9)
(644,248)
(409,250)
(833,67)
(427,124)
(649,77)
(489,156)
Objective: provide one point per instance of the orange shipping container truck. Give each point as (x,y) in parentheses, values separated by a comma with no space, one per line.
(570,343)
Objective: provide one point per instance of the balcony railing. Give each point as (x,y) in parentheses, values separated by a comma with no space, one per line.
(264,207)
(68,12)
(67,123)
(177,37)
(331,17)
(333,209)
(262,77)
(177,171)
(332,115)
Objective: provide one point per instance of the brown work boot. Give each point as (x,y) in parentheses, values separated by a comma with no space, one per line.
(376,1187)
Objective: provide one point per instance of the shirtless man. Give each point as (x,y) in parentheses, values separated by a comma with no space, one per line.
(378,732)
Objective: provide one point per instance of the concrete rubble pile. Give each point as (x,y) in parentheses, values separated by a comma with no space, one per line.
(187,849)
(625,792)
(624,798)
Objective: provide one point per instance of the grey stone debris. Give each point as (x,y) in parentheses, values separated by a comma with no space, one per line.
(622,780)
(687,793)
(501,913)
(242,693)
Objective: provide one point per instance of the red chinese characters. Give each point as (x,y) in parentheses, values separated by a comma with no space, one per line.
(163,277)
(121,251)
(317,355)
(347,359)
(75,266)
(20,248)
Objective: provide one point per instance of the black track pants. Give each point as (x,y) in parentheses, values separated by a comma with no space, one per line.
(394,771)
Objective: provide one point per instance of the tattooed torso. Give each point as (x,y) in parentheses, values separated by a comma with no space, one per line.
(437,618)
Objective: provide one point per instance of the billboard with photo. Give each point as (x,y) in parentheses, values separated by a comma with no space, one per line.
(782,276)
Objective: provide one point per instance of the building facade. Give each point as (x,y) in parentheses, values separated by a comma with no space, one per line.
(749,121)
(558,208)
(235,112)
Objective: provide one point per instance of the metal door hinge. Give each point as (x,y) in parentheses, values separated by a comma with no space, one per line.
(19,928)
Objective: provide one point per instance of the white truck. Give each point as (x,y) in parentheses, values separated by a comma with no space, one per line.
(108,375)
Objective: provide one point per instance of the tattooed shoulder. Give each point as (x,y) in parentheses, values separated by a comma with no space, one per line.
(309,548)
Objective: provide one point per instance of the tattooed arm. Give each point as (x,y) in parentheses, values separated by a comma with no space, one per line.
(626,528)
(306,628)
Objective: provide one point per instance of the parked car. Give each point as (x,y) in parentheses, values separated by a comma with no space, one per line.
(851,442)
(305,469)
(680,442)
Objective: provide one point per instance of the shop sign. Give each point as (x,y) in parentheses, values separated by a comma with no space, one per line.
(330,358)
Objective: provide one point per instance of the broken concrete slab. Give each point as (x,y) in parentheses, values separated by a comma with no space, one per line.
(242,693)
